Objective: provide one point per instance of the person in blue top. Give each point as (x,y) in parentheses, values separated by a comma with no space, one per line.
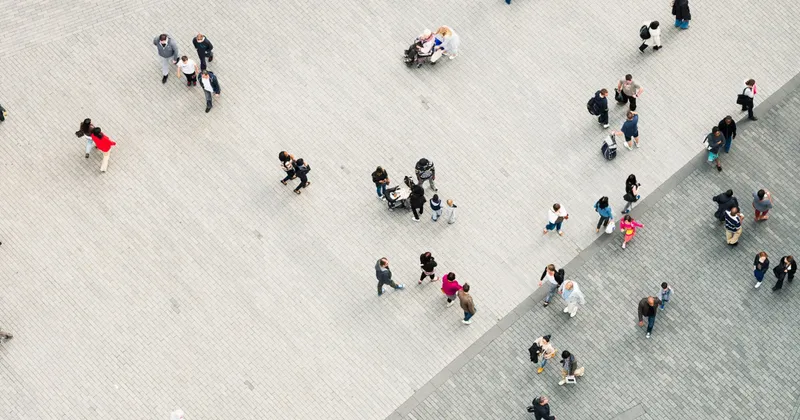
(630,129)
(604,210)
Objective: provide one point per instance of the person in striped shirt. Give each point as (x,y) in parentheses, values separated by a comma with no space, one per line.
(733,225)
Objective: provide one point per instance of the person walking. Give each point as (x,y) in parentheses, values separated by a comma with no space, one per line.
(631,193)
(733,226)
(168,52)
(628,91)
(540,407)
(725,201)
(762,203)
(450,288)
(3,113)
(447,41)
(630,129)
(384,276)
(203,47)
(648,308)
(287,164)
(436,207)
(103,143)
(555,218)
(425,172)
(189,69)
(85,131)
(680,9)
(599,104)
(664,295)
(784,270)
(650,32)
(428,265)
(465,300)
(210,86)
(554,280)
(760,267)
(747,98)
(569,368)
(301,169)
(628,226)
(451,212)
(381,179)
(417,201)
(728,128)
(541,349)
(571,294)
(715,142)
(604,210)
(6,335)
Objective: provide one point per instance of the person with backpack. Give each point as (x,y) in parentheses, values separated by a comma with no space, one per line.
(680,8)
(650,32)
(301,169)
(747,98)
(715,141)
(381,179)
(598,105)
(631,193)
(628,91)
(541,409)
(426,172)
(604,210)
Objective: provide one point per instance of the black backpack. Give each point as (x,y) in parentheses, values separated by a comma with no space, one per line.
(644,32)
(591,106)
(534,403)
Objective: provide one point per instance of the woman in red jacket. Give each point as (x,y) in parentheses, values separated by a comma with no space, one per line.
(104,144)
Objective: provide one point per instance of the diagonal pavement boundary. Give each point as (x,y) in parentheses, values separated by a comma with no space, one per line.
(535,298)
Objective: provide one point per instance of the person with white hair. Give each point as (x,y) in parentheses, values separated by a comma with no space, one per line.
(571,294)
(425,44)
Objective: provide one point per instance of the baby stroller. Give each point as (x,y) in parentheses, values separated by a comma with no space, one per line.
(397,197)
(609,147)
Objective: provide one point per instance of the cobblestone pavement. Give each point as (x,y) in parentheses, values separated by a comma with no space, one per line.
(721,350)
(187,276)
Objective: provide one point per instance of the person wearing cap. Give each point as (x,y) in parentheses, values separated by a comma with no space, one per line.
(210,86)
(203,47)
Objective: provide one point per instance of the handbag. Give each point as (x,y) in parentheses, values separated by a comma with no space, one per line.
(618,95)
(610,228)
(559,219)
(743,99)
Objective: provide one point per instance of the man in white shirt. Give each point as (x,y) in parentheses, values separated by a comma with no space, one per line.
(189,69)
(655,35)
(210,86)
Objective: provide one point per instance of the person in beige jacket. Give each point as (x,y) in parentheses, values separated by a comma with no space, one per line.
(465,299)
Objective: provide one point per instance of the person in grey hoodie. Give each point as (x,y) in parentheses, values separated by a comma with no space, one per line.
(167,51)
(384,276)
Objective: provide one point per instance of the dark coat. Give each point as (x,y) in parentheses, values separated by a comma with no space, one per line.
(763,267)
(680,8)
(205,47)
(417,201)
(724,203)
(645,310)
(728,130)
(427,264)
(214,82)
(542,412)
(778,270)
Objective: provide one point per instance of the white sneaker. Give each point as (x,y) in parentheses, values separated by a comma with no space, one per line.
(637,145)
(451,303)
(628,146)
(414,219)
(562,382)
(623,245)
(758,284)
(605,125)
(467,322)
(566,310)
(572,314)
(647,336)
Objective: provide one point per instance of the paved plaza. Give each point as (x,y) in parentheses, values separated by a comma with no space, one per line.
(187,276)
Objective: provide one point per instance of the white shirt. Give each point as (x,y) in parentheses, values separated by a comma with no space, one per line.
(655,34)
(207,84)
(552,216)
(188,67)
(748,90)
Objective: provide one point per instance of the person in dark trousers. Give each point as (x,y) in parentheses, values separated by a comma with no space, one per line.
(631,193)
(725,202)
(381,179)
(715,142)
(287,164)
(301,169)
(3,113)
(601,106)
(680,8)
(784,270)
(167,52)
(541,409)
(210,86)
(604,210)
(747,98)
(628,91)
(554,280)
(6,335)
(648,308)
(728,128)
(428,265)
(384,276)
(203,47)
(630,129)
(417,201)
(569,367)
(760,267)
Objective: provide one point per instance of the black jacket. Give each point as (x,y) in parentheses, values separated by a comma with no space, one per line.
(645,310)
(202,47)
(728,130)
(680,8)
(778,270)
(377,177)
(724,203)
(427,264)
(601,103)
(417,201)
(214,82)
(763,267)
(542,412)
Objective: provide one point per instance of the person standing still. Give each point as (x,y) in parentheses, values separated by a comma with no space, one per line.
(725,201)
(653,32)
(728,128)
(85,131)
(760,267)
(189,69)
(631,193)
(747,98)
(417,201)
(762,203)
(104,144)
(630,129)
(542,348)
(733,226)
(465,300)
(648,308)
(601,106)
(572,294)
(569,367)
(604,210)
(426,172)
(203,47)
(167,52)
(715,142)
(210,86)
(451,212)
(680,8)
(555,218)
(784,270)
(664,295)
(436,207)
(554,280)
(287,164)
(301,169)
(384,276)
(381,179)
(629,91)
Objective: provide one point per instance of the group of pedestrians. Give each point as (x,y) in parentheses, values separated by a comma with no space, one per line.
(168,53)
(729,213)
(294,169)
(95,139)
(414,193)
(569,290)
(542,350)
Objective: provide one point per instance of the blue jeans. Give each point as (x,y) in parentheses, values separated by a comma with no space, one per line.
(551,292)
(728,140)
(650,321)
(467,316)
(556,226)
(89,144)
(543,362)
(380,189)
(663,303)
